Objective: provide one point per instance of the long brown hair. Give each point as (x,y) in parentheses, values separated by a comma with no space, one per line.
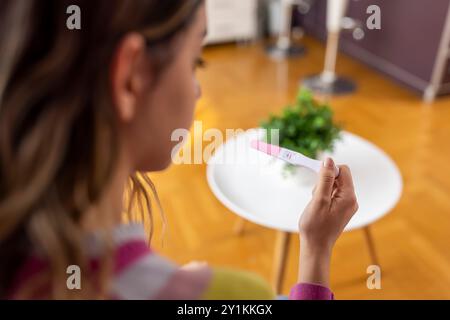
(58,130)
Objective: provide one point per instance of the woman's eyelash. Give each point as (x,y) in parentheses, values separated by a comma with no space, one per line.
(200,63)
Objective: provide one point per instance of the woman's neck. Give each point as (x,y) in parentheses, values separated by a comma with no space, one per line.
(107,213)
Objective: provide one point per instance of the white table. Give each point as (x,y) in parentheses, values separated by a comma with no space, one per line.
(249,184)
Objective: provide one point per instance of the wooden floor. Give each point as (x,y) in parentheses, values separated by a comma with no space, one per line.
(241,86)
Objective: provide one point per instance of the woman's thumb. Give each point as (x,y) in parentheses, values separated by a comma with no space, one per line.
(327,177)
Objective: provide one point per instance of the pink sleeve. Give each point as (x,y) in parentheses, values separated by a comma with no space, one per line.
(307,291)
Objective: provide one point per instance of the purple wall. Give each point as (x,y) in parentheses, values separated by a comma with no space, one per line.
(405,48)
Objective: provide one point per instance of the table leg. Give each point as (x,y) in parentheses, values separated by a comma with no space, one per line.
(281,254)
(370,244)
(239,226)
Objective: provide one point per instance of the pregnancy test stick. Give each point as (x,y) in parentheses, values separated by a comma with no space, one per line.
(290,156)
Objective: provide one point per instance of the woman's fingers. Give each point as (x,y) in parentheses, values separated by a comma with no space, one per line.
(345,194)
(194,265)
(345,180)
(327,178)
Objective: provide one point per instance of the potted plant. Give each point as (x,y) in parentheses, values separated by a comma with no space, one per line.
(307,127)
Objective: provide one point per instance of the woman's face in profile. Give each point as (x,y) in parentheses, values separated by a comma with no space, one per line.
(167,104)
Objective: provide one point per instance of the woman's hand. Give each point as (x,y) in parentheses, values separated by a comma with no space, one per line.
(324,219)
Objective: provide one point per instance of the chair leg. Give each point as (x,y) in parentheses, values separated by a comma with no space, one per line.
(371,246)
(239,226)
(281,255)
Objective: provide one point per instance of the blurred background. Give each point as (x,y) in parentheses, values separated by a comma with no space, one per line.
(386,83)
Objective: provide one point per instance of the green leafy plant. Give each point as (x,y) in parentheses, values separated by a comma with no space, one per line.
(306,127)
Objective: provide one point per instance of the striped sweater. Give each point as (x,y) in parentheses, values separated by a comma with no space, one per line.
(140,274)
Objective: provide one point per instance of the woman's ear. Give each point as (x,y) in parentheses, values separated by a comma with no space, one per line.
(126,75)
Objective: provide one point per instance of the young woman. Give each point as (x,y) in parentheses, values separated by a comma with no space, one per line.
(84,112)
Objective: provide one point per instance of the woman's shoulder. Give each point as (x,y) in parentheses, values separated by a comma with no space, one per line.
(140,273)
(143,270)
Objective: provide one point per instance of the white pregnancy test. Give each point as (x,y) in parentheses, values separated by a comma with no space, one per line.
(290,156)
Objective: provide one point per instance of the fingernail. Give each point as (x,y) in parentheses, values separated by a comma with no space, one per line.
(329,163)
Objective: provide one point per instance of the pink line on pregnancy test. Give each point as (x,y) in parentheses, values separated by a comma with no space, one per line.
(266,148)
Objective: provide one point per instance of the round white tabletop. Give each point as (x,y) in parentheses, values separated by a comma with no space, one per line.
(251,184)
